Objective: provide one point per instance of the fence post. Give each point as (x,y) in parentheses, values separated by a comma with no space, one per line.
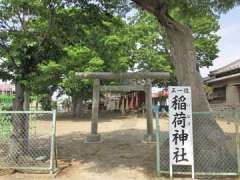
(237,141)
(53,137)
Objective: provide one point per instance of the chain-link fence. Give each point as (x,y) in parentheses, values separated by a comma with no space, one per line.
(216,144)
(27,140)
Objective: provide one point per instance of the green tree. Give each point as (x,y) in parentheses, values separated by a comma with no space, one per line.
(138,44)
(152,52)
(148,50)
(27,38)
(88,35)
(172,16)
(79,58)
(45,81)
(177,19)
(180,36)
(103,48)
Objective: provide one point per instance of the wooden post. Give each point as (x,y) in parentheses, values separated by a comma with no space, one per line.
(149,115)
(94,137)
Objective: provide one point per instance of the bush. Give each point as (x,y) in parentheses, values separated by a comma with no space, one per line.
(5,107)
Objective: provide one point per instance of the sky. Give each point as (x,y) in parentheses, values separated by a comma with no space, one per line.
(229,44)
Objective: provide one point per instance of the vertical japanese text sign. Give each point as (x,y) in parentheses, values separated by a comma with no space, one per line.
(180,126)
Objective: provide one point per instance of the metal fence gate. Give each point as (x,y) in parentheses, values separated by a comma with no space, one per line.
(27,140)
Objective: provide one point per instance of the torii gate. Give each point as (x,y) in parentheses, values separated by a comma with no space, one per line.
(94,137)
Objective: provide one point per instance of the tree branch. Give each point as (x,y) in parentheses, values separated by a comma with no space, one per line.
(159,8)
(14,62)
(7,49)
(147,5)
(22,21)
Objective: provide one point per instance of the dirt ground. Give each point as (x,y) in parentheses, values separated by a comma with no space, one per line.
(122,156)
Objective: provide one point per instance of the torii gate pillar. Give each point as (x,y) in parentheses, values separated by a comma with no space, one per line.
(94,136)
(149,116)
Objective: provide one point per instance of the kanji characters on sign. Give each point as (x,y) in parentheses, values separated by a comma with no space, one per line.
(180,126)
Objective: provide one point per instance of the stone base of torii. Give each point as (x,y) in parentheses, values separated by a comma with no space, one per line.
(94,137)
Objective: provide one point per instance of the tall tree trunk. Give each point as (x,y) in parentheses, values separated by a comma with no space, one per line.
(19,136)
(37,102)
(208,136)
(77,103)
(210,150)
(74,102)
(26,107)
(26,104)
(46,102)
(19,97)
(185,64)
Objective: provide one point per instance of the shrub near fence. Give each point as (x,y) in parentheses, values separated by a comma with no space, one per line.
(5,124)
(6,99)
(27,140)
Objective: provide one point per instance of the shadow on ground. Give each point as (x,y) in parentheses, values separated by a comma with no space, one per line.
(120,149)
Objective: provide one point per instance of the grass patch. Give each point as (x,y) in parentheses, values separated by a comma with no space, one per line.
(5,126)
